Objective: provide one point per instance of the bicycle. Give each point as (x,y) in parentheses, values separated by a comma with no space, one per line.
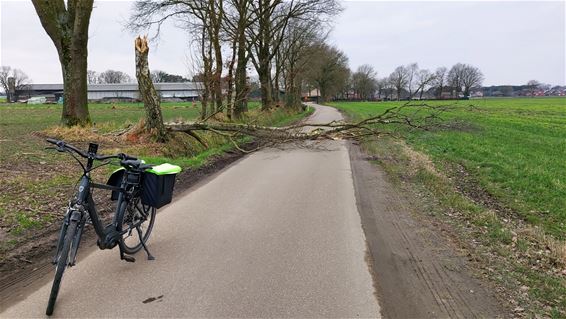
(139,188)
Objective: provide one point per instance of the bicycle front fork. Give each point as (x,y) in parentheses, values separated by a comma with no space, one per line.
(72,216)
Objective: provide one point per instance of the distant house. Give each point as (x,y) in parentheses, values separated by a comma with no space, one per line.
(123,91)
(476,94)
(313,95)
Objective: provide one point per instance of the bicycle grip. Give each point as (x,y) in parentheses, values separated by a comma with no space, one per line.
(126,157)
(52,141)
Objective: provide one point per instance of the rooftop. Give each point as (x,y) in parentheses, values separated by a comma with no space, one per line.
(190,86)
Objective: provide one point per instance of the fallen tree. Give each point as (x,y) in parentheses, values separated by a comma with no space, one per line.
(417,116)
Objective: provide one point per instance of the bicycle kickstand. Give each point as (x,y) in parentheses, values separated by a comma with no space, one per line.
(149,256)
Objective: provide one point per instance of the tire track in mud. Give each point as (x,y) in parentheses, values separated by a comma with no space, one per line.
(418,272)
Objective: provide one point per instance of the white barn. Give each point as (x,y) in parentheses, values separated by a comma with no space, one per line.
(97,92)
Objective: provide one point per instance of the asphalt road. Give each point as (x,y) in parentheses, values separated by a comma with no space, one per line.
(277,234)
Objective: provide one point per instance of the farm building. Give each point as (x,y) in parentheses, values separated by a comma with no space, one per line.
(125,91)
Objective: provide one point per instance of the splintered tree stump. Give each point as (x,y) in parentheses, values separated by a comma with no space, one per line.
(151,100)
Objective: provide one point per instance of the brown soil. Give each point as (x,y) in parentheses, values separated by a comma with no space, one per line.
(419,269)
(25,267)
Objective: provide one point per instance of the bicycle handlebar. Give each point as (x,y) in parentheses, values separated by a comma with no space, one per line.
(62,145)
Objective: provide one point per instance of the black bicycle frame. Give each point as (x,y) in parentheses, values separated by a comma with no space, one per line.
(108,236)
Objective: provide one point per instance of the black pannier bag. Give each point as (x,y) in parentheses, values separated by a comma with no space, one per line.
(158,184)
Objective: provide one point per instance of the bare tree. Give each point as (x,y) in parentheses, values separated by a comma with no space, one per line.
(67,26)
(113,76)
(329,71)
(266,35)
(204,20)
(440,80)
(13,81)
(364,81)
(92,77)
(381,87)
(424,80)
(412,71)
(297,55)
(454,77)
(471,78)
(532,86)
(4,75)
(253,30)
(399,79)
(464,77)
(158,76)
(238,18)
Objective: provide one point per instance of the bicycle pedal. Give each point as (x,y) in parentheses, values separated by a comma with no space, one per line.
(129,259)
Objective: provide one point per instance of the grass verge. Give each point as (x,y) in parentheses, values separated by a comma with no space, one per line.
(524,255)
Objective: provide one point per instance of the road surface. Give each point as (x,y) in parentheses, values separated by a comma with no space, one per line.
(277,234)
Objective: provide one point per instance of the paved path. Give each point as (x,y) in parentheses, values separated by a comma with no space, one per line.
(277,234)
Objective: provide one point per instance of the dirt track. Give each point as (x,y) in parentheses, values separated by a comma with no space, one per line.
(418,272)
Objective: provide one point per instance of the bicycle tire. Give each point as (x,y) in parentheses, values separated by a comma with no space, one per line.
(122,221)
(61,265)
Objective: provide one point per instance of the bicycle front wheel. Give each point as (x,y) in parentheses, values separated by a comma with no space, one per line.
(62,263)
(134,215)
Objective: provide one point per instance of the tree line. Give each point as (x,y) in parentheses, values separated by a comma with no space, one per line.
(284,41)
(411,82)
(279,39)
(113,77)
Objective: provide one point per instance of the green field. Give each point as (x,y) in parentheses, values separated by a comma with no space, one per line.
(497,179)
(514,148)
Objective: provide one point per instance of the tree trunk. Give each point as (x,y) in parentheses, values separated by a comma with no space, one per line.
(240,100)
(205,80)
(276,96)
(241,88)
(466,91)
(322,94)
(216,15)
(209,79)
(264,70)
(67,26)
(265,82)
(230,84)
(276,85)
(217,84)
(292,87)
(75,96)
(151,101)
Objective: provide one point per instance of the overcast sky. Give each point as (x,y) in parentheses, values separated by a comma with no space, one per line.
(511,42)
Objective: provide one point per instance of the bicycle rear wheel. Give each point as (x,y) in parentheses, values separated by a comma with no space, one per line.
(134,214)
(62,263)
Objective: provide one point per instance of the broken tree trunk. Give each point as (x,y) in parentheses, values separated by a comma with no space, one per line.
(151,100)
